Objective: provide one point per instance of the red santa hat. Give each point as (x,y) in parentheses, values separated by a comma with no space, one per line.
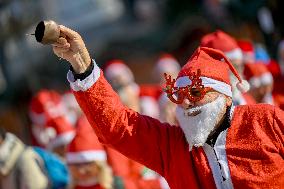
(167,64)
(214,67)
(248,51)
(149,100)
(257,74)
(45,105)
(65,132)
(85,147)
(117,68)
(223,42)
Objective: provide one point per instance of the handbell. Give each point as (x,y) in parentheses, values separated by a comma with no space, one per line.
(47,32)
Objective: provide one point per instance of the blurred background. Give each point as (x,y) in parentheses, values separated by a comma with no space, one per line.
(136,31)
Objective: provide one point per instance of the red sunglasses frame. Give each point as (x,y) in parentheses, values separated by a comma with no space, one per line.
(186,92)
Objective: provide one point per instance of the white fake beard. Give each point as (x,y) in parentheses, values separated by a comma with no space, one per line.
(197,128)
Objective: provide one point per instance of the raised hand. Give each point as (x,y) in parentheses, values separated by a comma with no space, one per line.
(71,47)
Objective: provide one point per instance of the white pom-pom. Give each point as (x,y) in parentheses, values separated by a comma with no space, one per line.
(243,86)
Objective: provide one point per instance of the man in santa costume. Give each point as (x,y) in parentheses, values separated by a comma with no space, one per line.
(216,146)
(261,82)
(87,159)
(228,45)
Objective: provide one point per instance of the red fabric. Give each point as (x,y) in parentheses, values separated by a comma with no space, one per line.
(255,70)
(254,143)
(219,40)
(152,90)
(85,138)
(278,91)
(206,60)
(60,125)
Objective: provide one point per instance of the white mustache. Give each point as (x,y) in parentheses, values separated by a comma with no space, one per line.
(192,110)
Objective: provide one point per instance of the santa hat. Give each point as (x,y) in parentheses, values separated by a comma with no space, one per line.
(85,147)
(214,67)
(257,74)
(45,105)
(167,64)
(248,51)
(223,42)
(117,68)
(65,132)
(149,100)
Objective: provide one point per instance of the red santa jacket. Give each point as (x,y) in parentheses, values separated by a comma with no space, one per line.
(249,154)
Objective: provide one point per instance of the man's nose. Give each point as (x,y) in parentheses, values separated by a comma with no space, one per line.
(186,104)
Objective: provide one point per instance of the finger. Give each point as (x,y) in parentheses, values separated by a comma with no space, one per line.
(58,50)
(66,45)
(62,40)
(68,32)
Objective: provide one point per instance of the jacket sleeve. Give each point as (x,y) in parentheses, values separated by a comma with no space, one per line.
(32,175)
(138,137)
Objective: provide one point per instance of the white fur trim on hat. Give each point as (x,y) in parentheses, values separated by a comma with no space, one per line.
(62,139)
(86,156)
(219,86)
(234,54)
(244,86)
(264,79)
(167,65)
(118,69)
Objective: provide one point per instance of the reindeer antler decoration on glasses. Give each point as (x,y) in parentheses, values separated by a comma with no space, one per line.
(193,92)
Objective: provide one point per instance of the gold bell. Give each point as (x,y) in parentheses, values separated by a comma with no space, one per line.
(47,32)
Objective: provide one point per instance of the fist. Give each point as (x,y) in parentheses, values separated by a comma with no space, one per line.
(71,47)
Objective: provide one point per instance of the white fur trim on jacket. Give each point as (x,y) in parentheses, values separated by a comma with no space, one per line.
(219,86)
(86,156)
(78,85)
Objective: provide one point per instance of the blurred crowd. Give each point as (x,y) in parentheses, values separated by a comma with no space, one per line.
(64,151)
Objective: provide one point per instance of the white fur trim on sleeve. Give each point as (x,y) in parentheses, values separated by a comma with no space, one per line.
(219,86)
(88,82)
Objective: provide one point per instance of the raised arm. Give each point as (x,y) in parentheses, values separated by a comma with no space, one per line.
(139,137)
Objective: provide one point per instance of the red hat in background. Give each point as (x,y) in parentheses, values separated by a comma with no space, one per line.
(85,146)
(257,74)
(214,67)
(117,68)
(45,105)
(65,132)
(248,51)
(167,64)
(149,101)
(223,42)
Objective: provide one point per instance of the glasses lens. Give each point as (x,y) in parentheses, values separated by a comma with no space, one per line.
(195,92)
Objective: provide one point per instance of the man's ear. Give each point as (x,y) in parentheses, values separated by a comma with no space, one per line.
(228,101)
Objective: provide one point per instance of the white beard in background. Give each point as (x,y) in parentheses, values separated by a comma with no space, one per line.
(197,128)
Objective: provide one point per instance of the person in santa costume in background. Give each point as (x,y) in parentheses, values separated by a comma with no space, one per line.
(122,81)
(87,159)
(248,51)
(45,105)
(130,173)
(64,134)
(261,82)
(166,64)
(228,45)
(216,146)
